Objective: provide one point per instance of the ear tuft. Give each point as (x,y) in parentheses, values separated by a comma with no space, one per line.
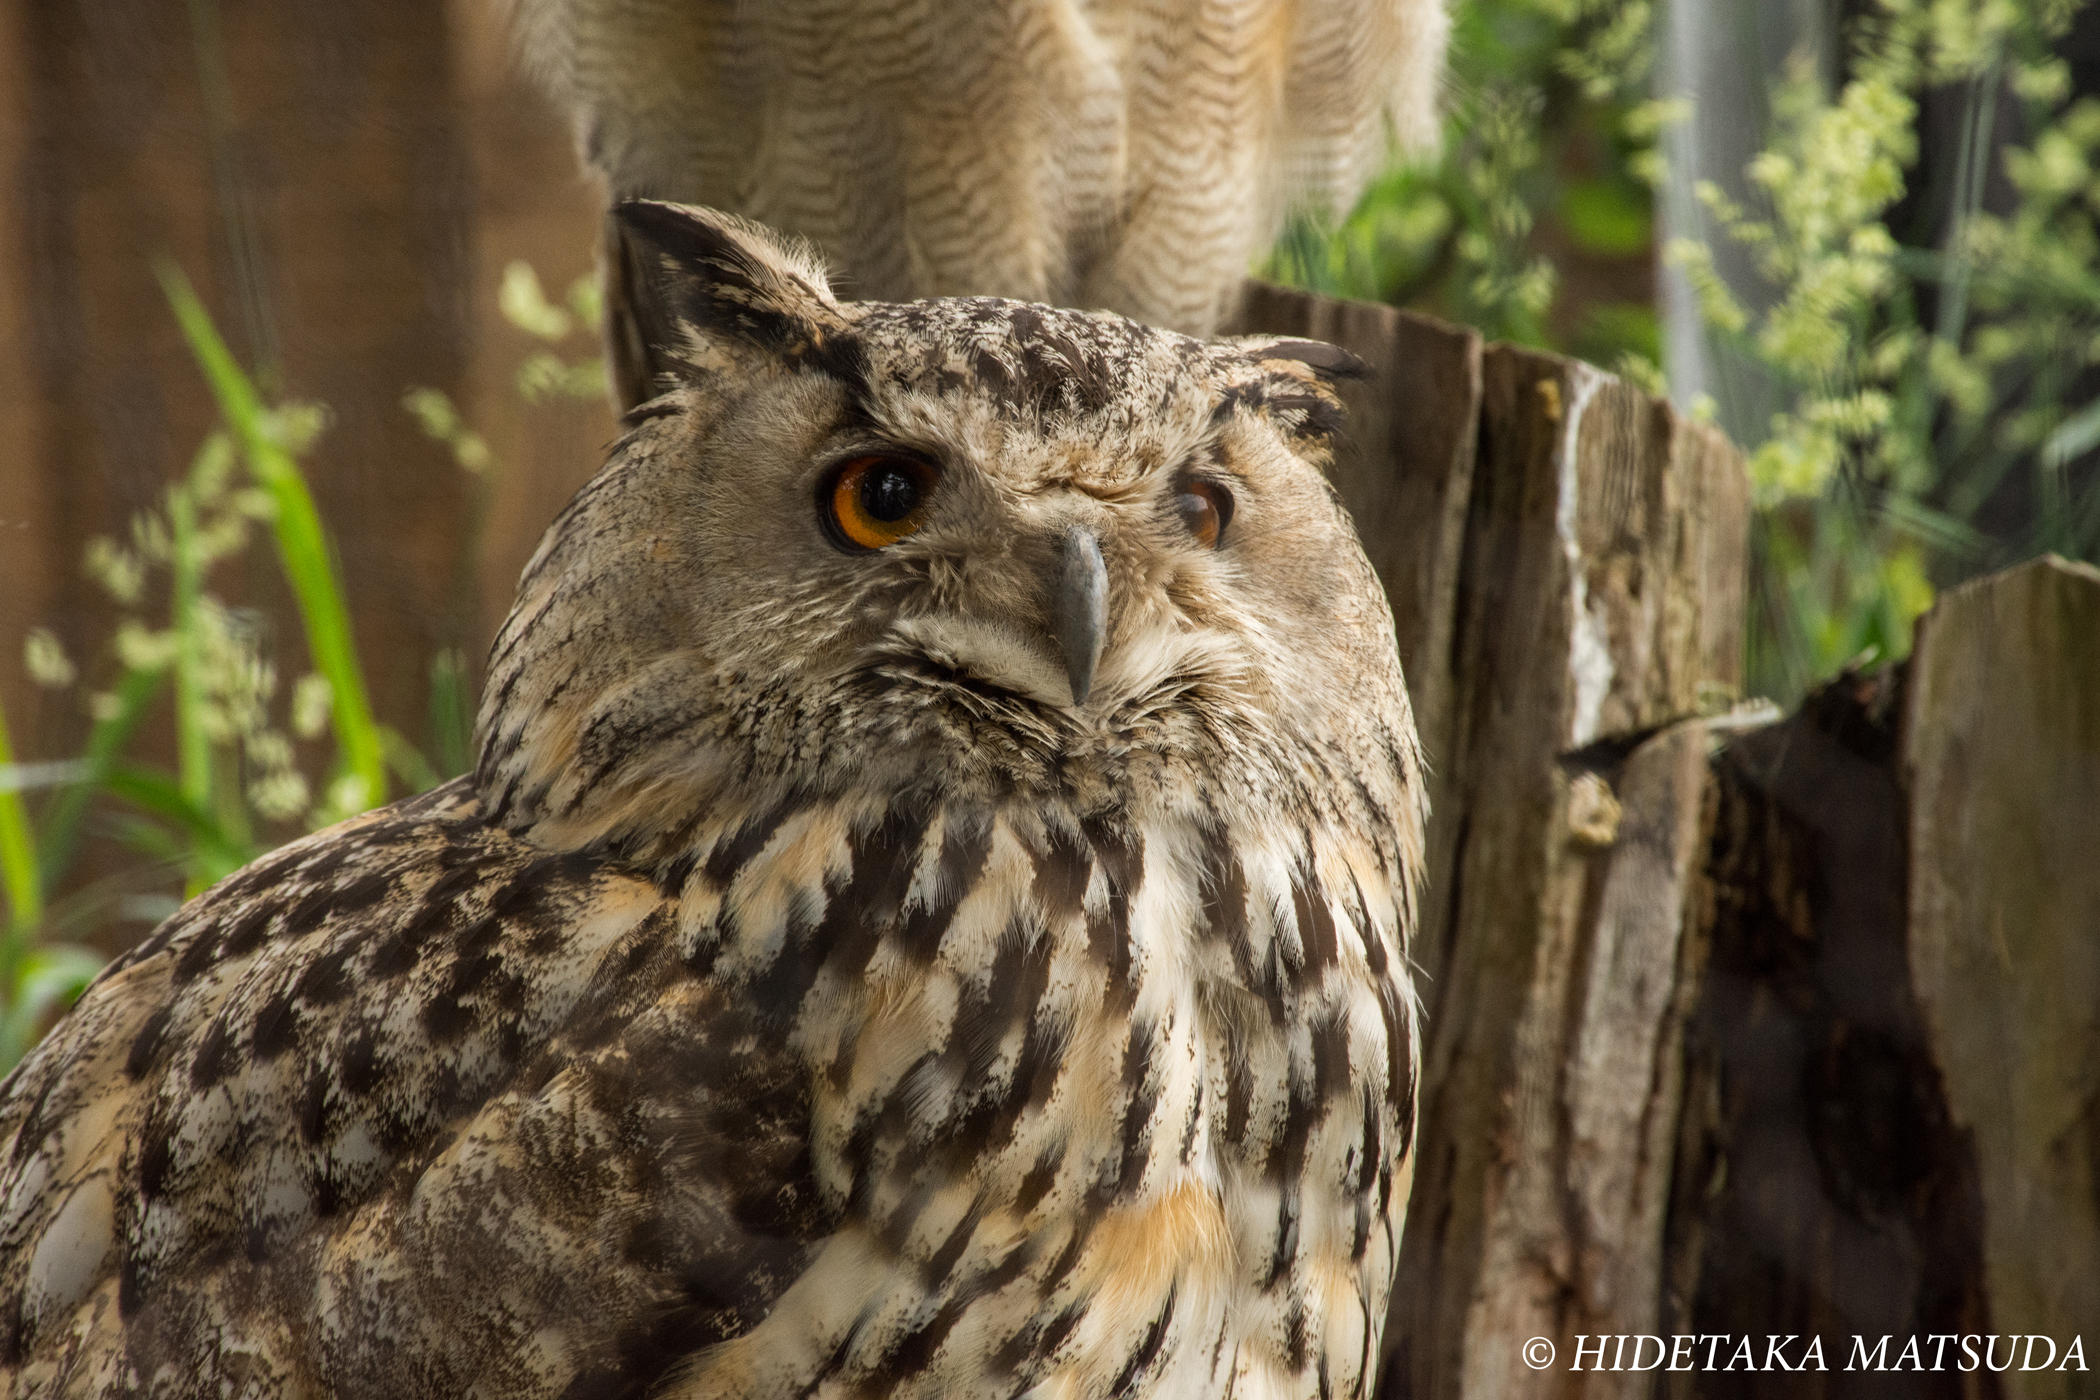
(693,291)
(1331,363)
(1298,386)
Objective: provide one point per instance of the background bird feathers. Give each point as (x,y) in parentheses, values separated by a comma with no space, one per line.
(1126,154)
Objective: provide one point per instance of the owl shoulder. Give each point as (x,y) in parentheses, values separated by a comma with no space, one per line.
(273,1052)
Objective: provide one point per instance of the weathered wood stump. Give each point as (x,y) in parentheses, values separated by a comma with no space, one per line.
(2001,752)
(1600,600)
(1819,1189)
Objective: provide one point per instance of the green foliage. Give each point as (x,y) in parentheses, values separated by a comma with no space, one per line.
(1545,171)
(270,440)
(542,376)
(235,773)
(545,374)
(1921,382)
(237,786)
(38,978)
(1924,388)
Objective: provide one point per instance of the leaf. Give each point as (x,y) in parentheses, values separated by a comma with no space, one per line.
(1608,218)
(192,742)
(2073,438)
(215,851)
(451,714)
(302,545)
(61,835)
(408,762)
(525,306)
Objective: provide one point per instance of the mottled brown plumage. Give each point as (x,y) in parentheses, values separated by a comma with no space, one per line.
(1134,155)
(807,994)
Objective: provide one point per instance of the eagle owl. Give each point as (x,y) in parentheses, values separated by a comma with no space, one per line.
(1127,154)
(929,919)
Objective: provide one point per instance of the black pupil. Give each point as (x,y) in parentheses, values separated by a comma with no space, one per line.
(1197,511)
(889,493)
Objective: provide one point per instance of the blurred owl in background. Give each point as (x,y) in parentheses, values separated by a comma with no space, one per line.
(1133,155)
(930,919)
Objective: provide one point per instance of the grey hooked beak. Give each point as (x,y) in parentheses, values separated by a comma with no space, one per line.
(1082,609)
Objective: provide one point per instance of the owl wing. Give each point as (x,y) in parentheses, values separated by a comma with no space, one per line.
(406,1108)
(1128,154)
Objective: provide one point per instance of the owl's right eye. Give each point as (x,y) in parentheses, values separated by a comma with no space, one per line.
(874,501)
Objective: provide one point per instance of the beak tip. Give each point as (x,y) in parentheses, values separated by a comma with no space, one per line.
(1082,610)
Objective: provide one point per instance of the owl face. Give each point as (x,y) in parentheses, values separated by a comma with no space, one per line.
(959,542)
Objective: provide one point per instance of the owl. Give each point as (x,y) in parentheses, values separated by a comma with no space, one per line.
(1127,154)
(930,918)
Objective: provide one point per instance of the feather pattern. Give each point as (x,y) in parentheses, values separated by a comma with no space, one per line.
(1132,155)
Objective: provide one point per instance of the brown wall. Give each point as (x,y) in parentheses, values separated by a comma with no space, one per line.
(343,180)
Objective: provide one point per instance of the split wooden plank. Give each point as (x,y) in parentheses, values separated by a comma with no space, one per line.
(1620,1085)
(2002,753)
(1599,600)
(1571,1248)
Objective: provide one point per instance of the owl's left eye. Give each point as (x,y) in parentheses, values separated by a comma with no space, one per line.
(1205,508)
(875,501)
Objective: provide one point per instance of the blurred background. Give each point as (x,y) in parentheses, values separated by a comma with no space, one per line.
(1860,236)
(344,185)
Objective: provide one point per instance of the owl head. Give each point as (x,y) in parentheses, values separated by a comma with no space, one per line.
(968,547)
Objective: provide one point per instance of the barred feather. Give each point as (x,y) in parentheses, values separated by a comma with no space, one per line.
(1127,154)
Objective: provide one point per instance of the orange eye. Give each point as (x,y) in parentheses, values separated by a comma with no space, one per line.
(877,501)
(1205,508)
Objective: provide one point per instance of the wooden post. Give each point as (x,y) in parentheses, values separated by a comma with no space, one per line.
(1573,1200)
(1600,596)
(2002,753)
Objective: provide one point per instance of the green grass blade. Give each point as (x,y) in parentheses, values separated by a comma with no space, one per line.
(408,762)
(214,851)
(302,545)
(110,736)
(18,869)
(2073,438)
(451,713)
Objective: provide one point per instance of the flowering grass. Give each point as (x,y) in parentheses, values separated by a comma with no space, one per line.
(1938,384)
(237,786)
